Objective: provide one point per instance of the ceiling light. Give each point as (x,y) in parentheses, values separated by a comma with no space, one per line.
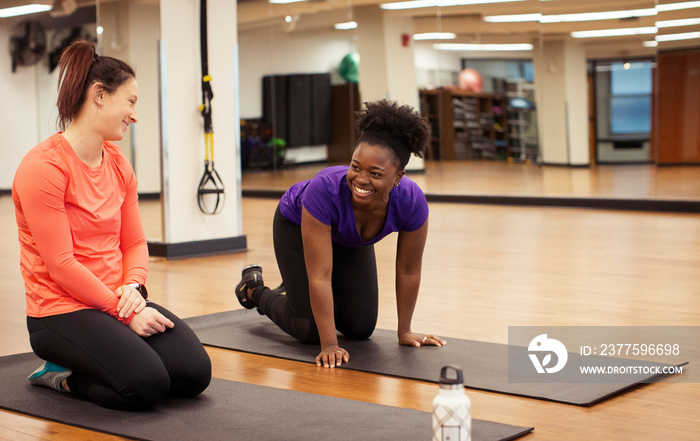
(678,6)
(482,47)
(614,32)
(679,22)
(435,36)
(591,16)
(284,2)
(565,18)
(674,37)
(442,3)
(23,10)
(345,26)
(594,16)
(512,18)
(651,43)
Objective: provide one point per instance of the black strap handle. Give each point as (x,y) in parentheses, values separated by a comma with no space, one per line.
(211,183)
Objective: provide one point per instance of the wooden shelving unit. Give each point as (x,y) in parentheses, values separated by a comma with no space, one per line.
(522,123)
(466,125)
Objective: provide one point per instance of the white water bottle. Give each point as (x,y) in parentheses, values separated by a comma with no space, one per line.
(452,419)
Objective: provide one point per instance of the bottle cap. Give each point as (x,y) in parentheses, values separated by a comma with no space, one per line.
(448,381)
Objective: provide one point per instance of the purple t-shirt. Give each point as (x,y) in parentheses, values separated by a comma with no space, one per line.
(328,199)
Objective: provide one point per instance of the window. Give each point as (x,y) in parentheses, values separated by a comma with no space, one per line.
(630,98)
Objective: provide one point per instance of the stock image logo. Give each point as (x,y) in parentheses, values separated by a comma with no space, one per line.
(541,344)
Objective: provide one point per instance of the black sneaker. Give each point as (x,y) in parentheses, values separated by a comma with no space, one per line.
(251,277)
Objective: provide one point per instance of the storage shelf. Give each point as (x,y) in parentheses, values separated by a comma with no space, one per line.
(466,125)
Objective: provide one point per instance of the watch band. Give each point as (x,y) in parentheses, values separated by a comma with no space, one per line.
(141,289)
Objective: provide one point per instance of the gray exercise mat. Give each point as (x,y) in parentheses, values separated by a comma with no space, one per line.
(230,410)
(485,365)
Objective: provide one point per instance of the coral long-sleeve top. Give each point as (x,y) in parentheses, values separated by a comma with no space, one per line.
(79,229)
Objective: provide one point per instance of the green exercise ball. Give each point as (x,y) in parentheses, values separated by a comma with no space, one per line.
(349,67)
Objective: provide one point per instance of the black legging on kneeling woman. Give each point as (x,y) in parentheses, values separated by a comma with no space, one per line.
(115,367)
(354,284)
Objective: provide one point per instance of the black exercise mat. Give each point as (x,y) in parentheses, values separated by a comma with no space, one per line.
(485,365)
(230,410)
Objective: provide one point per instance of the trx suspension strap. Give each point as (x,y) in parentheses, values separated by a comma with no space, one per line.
(210,185)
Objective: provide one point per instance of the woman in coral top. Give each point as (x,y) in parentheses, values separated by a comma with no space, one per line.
(84,257)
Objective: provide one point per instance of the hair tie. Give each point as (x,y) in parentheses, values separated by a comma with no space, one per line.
(395,143)
(96,56)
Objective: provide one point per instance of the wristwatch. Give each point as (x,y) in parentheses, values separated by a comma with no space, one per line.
(141,289)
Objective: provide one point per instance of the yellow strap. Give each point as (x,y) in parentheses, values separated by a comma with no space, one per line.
(209,146)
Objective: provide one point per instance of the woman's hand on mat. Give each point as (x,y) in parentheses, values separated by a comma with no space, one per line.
(332,356)
(413,339)
(150,322)
(130,301)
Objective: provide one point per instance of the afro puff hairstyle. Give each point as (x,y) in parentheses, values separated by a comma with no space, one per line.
(402,121)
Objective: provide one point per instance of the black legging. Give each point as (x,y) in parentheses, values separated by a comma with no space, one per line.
(116,368)
(354,284)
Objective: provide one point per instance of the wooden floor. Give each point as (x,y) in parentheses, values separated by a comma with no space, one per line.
(485,268)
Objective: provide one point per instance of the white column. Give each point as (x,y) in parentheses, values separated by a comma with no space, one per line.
(387,67)
(144,32)
(131,33)
(562,106)
(188,231)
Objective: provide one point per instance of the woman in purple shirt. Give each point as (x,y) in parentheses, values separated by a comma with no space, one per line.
(324,233)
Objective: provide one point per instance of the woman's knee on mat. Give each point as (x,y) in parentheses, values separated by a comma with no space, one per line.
(357,330)
(193,377)
(145,388)
(309,335)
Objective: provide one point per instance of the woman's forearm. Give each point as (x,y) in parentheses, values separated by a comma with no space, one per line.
(407,286)
(321,298)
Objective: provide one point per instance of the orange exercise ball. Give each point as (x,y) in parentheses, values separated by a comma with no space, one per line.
(470,80)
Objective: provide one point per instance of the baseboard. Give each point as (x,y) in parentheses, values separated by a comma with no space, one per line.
(199,248)
(651,205)
(263,194)
(553,164)
(678,164)
(149,196)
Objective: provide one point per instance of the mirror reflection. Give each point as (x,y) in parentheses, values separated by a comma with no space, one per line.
(597,140)
(526,98)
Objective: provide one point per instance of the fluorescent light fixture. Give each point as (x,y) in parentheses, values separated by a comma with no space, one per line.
(435,36)
(284,2)
(23,10)
(595,16)
(674,37)
(678,6)
(345,26)
(614,32)
(565,18)
(679,22)
(415,4)
(512,18)
(482,47)
(651,43)
(591,16)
